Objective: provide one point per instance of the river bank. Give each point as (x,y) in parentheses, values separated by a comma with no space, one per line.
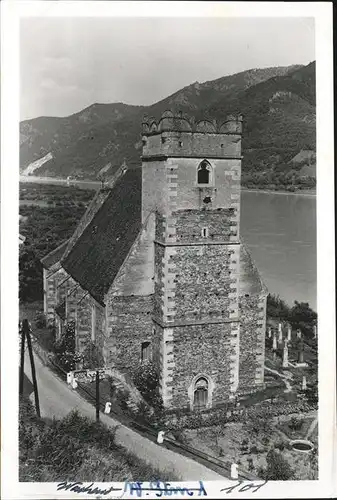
(87,184)
(302,192)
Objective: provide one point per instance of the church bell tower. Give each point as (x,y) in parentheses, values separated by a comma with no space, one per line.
(191,181)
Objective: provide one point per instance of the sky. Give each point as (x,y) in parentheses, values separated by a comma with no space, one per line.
(67,64)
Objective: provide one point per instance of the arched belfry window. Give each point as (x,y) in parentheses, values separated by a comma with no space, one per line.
(204,173)
(200,397)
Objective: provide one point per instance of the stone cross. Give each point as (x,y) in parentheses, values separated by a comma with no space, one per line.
(285,354)
(301,352)
(274,342)
(269,333)
(304,383)
(280,332)
(289,333)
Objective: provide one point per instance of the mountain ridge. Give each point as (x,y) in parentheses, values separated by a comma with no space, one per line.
(278,105)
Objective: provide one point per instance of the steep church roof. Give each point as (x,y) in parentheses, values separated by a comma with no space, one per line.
(54,256)
(99,251)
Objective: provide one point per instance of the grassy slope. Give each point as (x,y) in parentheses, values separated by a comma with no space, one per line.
(76,449)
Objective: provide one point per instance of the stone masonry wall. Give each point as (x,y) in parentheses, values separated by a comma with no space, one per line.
(252,341)
(50,294)
(78,307)
(158,299)
(220,224)
(193,144)
(129,324)
(197,283)
(199,350)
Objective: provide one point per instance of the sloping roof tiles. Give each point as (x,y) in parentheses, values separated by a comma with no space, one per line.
(101,249)
(54,256)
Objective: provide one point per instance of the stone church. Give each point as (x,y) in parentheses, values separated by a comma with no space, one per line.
(156,269)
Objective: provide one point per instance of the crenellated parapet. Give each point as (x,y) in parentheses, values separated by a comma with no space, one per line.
(180,122)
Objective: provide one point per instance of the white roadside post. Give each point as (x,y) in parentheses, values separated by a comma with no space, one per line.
(74,383)
(70,376)
(107,408)
(160,437)
(234,471)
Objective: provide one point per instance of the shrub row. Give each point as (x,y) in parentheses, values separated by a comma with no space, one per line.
(218,416)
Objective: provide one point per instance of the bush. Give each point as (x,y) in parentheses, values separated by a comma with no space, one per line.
(65,354)
(278,469)
(295,423)
(250,464)
(92,357)
(280,445)
(146,380)
(40,321)
(179,435)
(259,425)
(122,397)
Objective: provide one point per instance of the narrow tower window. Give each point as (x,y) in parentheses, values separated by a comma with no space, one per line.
(200,394)
(204,172)
(146,351)
(204,232)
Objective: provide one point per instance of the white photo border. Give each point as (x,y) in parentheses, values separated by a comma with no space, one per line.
(11,13)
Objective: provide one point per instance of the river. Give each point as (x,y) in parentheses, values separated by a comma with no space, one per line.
(280,231)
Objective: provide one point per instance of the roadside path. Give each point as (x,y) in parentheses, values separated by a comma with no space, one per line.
(57,400)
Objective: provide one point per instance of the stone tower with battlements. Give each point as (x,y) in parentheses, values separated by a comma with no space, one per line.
(191,180)
(157,272)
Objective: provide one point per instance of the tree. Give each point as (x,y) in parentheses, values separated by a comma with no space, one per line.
(303,317)
(277,308)
(65,353)
(278,469)
(146,380)
(30,275)
(92,357)
(259,425)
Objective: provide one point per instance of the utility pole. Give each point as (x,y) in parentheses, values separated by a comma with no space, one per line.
(22,358)
(97,396)
(26,333)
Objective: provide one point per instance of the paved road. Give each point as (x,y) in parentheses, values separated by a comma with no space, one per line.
(57,399)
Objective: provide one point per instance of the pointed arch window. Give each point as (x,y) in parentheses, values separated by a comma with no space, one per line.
(204,173)
(146,351)
(200,398)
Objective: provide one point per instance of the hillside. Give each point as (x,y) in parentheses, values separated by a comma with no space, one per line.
(278,105)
